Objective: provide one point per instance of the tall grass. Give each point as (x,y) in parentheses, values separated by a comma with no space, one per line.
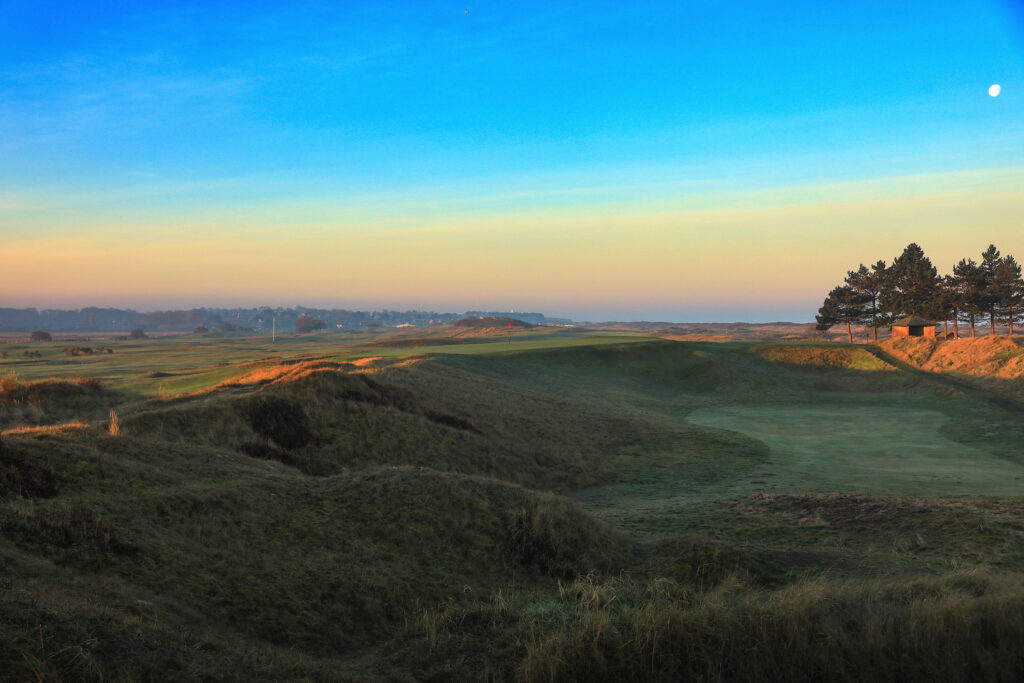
(959,627)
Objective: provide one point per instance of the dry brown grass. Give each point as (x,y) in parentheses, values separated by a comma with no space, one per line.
(996,357)
(276,373)
(41,430)
(697,337)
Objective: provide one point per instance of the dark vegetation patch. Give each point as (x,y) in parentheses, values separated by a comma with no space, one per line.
(70,534)
(268,451)
(950,530)
(282,421)
(846,510)
(452,421)
(27,477)
(559,539)
(154,374)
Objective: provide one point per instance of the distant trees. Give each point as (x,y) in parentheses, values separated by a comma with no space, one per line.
(991,289)
(137,333)
(842,305)
(911,285)
(41,335)
(307,323)
(1009,288)
(868,284)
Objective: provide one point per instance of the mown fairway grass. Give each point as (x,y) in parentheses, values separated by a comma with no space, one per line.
(893,450)
(368,506)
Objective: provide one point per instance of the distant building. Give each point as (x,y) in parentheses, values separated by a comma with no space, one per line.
(913,326)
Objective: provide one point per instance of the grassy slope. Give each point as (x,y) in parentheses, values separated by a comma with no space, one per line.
(168,547)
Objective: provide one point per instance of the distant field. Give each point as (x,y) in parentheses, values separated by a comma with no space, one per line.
(191,363)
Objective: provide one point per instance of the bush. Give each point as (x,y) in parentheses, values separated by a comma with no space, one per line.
(202,329)
(280,420)
(41,335)
(137,333)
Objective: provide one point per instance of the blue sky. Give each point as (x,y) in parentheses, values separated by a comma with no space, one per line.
(358,116)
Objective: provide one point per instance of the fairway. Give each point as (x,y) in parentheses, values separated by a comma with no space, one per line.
(889,449)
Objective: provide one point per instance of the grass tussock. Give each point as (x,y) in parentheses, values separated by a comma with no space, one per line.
(561,540)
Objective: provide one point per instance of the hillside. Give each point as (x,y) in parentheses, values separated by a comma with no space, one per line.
(552,508)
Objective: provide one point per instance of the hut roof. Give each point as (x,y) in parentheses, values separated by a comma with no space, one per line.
(913,321)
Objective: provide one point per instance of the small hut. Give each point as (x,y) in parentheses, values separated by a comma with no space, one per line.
(913,326)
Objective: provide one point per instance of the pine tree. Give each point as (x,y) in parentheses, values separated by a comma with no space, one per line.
(868,284)
(1010,290)
(968,285)
(842,305)
(911,287)
(990,295)
(946,305)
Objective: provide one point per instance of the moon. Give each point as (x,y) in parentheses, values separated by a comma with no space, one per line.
(994,90)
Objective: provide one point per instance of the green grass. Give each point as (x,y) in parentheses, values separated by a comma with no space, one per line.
(808,505)
(890,449)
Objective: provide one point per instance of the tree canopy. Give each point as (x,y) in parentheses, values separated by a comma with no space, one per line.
(991,289)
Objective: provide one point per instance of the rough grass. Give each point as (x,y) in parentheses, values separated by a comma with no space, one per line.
(846,358)
(48,401)
(365,513)
(962,626)
(998,357)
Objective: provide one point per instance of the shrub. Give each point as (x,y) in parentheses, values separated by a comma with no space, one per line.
(280,420)
(137,333)
(41,335)
(202,329)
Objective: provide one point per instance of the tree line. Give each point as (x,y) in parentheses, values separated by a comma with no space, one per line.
(989,290)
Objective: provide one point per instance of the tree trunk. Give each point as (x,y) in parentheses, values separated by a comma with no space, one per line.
(956,328)
(991,324)
(972,328)
(874,332)
(945,329)
(849,332)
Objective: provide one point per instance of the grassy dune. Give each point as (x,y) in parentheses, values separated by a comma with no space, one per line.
(554,507)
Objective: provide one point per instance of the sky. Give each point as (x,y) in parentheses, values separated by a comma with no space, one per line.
(698,160)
